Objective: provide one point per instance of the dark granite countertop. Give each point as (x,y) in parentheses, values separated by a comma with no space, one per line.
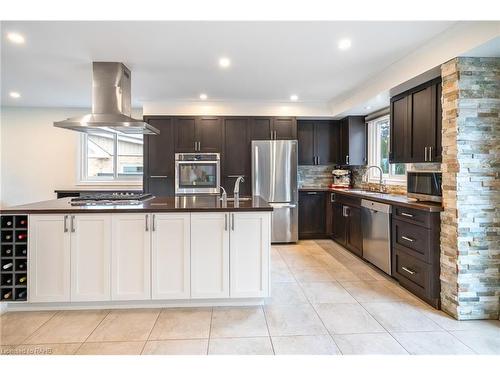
(197,203)
(397,199)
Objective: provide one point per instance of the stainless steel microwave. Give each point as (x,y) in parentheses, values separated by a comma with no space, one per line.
(424,186)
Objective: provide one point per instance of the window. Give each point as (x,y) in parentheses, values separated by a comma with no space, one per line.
(378,153)
(110,157)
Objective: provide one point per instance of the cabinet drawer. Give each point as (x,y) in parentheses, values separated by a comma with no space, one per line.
(420,278)
(345,199)
(414,238)
(413,216)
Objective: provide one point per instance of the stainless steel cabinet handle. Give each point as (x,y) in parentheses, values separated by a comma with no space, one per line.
(275,135)
(408,270)
(153,223)
(65,223)
(317,160)
(347,159)
(345,211)
(425,154)
(73,229)
(405,214)
(332,197)
(232,224)
(158,176)
(236,175)
(312,193)
(225,222)
(146,218)
(407,238)
(430,153)
(199,145)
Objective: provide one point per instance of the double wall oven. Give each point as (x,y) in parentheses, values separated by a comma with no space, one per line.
(197,173)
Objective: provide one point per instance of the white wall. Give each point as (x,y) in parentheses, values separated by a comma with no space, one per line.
(237,108)
(36,157)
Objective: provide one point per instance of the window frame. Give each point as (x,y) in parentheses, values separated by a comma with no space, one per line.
(84,179)
(374,155)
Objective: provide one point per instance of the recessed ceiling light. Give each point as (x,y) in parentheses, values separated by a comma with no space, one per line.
(344,44)
(15,38)
(368,107)
(224,62)
(203,96)
(294,98)
(14,95)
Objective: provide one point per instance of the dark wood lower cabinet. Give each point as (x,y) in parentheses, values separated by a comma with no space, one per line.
(346,222)
(416,252)
(312,214)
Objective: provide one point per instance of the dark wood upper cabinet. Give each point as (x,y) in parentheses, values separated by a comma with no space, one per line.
(209,134)
(158,177)
(184,134)
(237,154)
(416,124)
(261,128)
(353,145)
(400,130)
(318,142)
(312,219)
(305,136)
(284,128)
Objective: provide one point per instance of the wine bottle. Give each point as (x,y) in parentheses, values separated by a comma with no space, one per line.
(24,251)
(22,236)
(22,280)
(21,294)
(7,266)
(8,281)
(9,223)
(22,222)
(7,295)
(8,237)
(21,266)
(8,251)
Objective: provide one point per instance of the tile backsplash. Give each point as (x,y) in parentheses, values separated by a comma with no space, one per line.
(315,175)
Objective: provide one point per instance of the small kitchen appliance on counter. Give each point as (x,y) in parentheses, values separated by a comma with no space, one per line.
(342,178)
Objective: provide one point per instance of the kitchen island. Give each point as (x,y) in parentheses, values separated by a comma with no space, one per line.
(166,251)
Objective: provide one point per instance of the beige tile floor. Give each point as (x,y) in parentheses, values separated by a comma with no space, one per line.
(323,302)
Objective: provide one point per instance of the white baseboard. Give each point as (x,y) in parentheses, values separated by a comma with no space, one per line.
(26,306)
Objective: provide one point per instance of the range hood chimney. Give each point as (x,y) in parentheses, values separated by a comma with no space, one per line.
(111,104)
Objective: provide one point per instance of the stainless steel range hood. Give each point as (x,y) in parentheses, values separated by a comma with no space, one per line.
(111,104)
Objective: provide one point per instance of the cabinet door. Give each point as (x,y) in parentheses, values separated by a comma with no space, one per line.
(236,157)
(422,123)
(285,128)
(209,134)
(305,135)
(261,128)
(130,257)
(170,256)
(338,223)
(209,255)
(400,151)
(159,158)
(250,243)
(91,257)
(344,142)
(312,222)
(326,142)
(354,232)
(184,134)
(49,262)
(437,150)
(357,140)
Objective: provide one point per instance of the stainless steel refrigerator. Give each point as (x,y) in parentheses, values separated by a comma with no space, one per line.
(274,178)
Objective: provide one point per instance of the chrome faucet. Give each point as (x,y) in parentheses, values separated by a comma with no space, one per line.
(236,192)
(365,176)
(223,197)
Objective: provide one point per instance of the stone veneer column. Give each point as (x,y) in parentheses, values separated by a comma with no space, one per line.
(470,233)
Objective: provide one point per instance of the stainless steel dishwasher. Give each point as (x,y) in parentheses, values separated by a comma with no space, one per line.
(376,226)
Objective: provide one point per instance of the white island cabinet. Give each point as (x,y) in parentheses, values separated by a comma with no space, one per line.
(148,258)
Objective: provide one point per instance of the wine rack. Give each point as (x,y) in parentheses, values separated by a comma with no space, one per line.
(13,257)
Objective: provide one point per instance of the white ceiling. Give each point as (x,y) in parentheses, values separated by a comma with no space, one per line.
(178,60)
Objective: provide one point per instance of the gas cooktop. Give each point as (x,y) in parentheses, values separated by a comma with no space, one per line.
(109,199)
